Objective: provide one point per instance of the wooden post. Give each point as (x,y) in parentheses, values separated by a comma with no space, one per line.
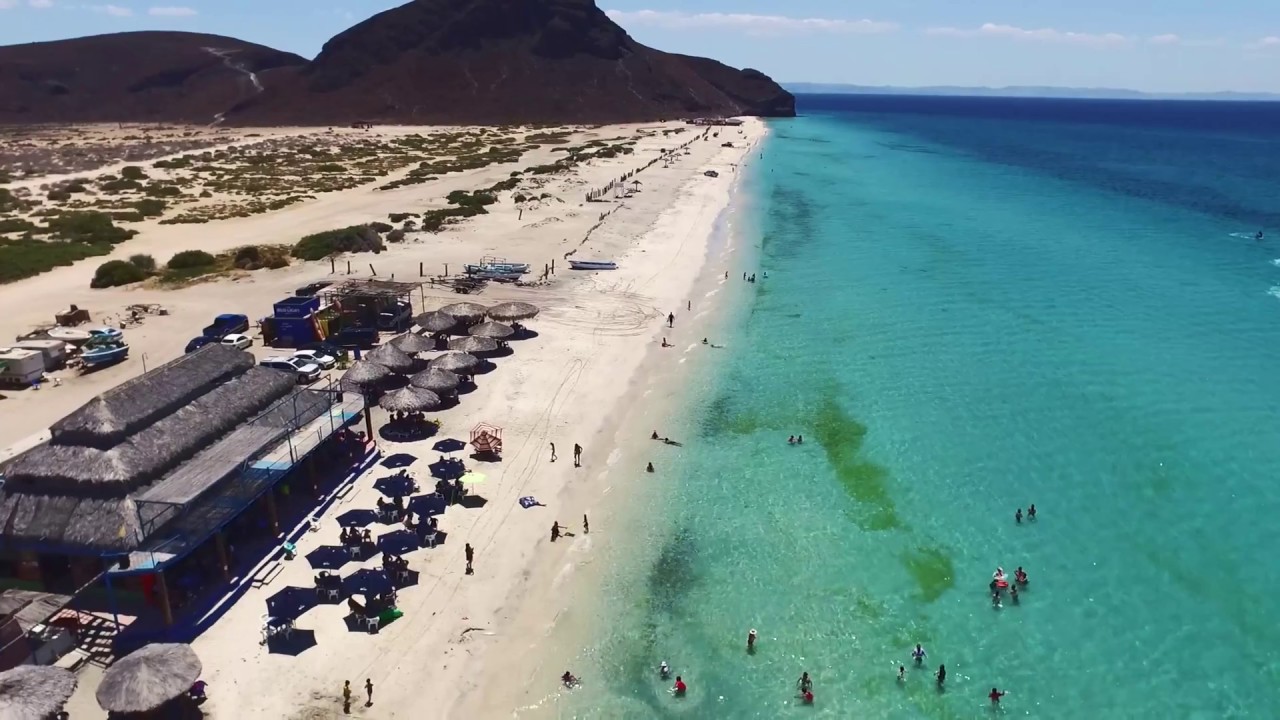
(272,516)
(553,266)
(419,269)
(332,266)
(446,269)
(371,270)
(165,608)
(220,543)
(348,267)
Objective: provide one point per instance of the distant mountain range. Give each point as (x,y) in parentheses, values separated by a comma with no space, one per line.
(1021,91)
(425,62)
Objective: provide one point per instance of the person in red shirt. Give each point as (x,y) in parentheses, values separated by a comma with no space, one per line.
(995,696)
(680,686)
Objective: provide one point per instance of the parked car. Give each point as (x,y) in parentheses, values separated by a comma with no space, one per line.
(326,348)
(238,341)
(324,360)
(226,324)
(312,289)
(306,372)
(199,342)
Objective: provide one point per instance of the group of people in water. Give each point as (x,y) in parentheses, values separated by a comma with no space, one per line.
(999,583)
(919,654)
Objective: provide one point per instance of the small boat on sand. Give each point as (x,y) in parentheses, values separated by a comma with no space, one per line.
(593,265)
(100,353)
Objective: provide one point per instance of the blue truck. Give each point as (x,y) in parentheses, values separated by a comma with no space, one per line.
(226,324)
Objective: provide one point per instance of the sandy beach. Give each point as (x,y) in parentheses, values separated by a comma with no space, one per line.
(462,647)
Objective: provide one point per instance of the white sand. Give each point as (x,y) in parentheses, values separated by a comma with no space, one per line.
(599,336)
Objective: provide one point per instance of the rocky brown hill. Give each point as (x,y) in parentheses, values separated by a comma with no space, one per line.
(428,61)
(132,77)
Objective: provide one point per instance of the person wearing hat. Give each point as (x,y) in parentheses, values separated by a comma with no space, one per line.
(751,640)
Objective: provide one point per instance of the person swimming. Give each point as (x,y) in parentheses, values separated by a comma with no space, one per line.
(941,674)
(751,640)
(902,673)
(805,683)
(1020,576)
(664,671)
(569,679)
(679,688)
(1258,236)
(995,598)
(919,654)
(791,440)
(1013,593)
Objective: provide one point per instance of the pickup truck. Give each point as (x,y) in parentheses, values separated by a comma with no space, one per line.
(226,324)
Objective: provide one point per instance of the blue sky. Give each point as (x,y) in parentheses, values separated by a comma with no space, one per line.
(1155,45)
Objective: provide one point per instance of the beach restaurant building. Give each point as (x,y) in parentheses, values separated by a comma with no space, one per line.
(150,487)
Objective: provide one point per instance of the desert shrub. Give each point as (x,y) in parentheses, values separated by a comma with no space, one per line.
(9,225)
(116,272)
(113,186)
(395,236)
(145,263)
(58,195)
(150,207)
(410,226)
(128,216)
(275,262)
(206,194)
(74,187)
(160,190)
(504,185)
(132,172)
(330,167)
(174,164)
(479,198)
(188,259)
(247,257)
(400,217)
(357,238)
(8,201)
(380,227)
(520,197)
(87,227)
(25,258)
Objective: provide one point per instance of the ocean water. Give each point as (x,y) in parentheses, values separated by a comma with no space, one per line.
(972,306)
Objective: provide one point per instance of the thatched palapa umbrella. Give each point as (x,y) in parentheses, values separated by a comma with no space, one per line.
(412,343)
(436,322)
(510,311)
(467,312)
(410,399)
(473,344)
(493,330)
(458,362)
(148,678)
(390,357)
(363,375)
(34,692)
(436,380)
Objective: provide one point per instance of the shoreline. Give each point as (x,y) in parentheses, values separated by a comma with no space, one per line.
(559,619)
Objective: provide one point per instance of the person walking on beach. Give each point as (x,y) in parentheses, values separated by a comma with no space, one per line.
(553,452)
(368,690)
(555,531)
(471,554)
(346,697)
(577,455)
(671,319)
(586,526)
(1017,517)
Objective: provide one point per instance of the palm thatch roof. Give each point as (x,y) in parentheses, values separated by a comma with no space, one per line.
(88,471)
(513,311)
(390,357)
(494,330)
(411,343)
(473,344)
(112,416)
(437,380)
(458,362)
(410,399)
(34,692)
(363,374)
(467,312)
(436,321)
(148,678)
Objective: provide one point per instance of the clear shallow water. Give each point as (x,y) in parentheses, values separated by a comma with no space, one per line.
(972,306)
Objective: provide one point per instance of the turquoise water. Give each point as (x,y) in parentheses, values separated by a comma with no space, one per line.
(966,312)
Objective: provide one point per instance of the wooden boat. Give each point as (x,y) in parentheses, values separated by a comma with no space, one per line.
(101,353)
(593,265)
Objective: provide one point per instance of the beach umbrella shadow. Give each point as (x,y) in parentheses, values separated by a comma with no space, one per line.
(399,460)
(398,542)
(357,518)
(329,557)
(291,602)
(296,643)
(473,502)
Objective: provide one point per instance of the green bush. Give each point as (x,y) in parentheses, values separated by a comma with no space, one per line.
(74,187)
(400,217)
(9,225)
(8,201)
(174,164)
(25,258)
(150,207)
(330,167)
(275,262)
(479,198)
(113,186)
(395,236)
(58,195)
(132,172)
(381,227)
(247,257)
(88,227)
(145,263)
(357,238)
(189,259)
(160,190)
(115,273)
